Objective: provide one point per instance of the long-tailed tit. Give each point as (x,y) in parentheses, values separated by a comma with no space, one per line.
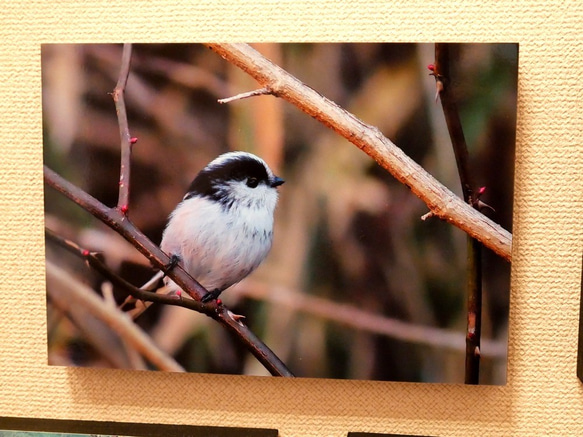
(223,228)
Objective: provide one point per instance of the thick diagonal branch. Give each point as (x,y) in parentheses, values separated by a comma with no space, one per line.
(441,201)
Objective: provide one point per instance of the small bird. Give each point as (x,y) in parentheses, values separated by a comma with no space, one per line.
(223,228)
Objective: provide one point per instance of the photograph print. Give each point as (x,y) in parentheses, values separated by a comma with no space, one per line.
(35,427)
(330,210)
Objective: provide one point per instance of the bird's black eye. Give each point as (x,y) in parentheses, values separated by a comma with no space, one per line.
(252,182)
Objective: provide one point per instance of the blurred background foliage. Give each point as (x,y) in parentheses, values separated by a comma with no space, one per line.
(356,285)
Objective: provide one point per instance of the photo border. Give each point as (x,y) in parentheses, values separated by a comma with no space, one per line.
(128,428)
(546,273)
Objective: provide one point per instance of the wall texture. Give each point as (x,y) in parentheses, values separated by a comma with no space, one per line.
(543,395)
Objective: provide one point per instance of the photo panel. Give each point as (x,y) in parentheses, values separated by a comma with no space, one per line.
(34,427)
(357,277)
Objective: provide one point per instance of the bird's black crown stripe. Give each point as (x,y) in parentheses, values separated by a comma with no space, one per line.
(210,181)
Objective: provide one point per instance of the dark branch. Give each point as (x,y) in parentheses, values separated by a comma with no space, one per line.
(106,272)
(116,220)
(452,119)
(474,279)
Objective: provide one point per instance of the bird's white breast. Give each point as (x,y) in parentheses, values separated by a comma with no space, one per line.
(220,246)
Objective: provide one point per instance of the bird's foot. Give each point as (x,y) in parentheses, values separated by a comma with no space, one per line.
(174,260)
(211,295)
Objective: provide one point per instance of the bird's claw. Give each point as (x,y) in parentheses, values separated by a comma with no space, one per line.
(211,295)
(174,260)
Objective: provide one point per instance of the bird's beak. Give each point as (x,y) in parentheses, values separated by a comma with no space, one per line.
(276,182)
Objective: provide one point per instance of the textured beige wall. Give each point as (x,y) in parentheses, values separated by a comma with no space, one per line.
(543,395)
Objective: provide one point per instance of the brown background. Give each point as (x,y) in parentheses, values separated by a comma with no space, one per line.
(543,395)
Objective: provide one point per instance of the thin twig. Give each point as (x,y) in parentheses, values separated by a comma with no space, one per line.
(124,131)
(452,119)
(474,312)
(474,258)
(116,280)
(357,318)
(135,359)
(441,201)
(116,220)
(79,294)
(259,92)
(427,215)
